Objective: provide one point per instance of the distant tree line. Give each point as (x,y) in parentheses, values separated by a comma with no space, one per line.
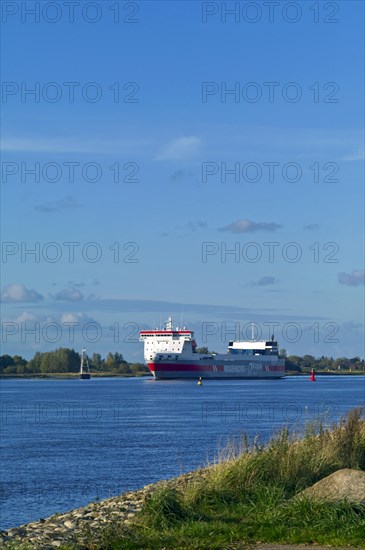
(308,362)
(64,360)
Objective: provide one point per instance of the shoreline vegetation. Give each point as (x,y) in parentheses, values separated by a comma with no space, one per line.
(65,363)
(251,494)
(76,376)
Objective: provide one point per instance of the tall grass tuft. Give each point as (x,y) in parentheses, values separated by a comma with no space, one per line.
(163,508)
(349,440)
(287,463)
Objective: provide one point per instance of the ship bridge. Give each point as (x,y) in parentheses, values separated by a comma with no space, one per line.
(167,341)
(261,347)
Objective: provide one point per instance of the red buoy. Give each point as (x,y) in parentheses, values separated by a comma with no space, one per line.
(312,377)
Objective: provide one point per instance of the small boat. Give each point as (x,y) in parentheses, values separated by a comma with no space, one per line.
(84,374)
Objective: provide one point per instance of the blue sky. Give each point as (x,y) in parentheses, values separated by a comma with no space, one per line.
(146,173)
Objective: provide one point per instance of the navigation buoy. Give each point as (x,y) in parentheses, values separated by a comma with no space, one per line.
(312,377)
(200,381)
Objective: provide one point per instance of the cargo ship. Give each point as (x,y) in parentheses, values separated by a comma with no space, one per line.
(171,354)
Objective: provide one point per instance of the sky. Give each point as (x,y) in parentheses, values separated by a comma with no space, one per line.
(196,159)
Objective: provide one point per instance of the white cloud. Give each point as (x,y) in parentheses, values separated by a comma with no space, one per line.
(19,293)
(248,226)
(180,148)
(356,278)
(32,319)
(69,295)
(33,144)
(26,317)
(356,155)
(75,318)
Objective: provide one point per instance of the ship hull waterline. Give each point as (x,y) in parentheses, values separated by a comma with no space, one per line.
(168,371)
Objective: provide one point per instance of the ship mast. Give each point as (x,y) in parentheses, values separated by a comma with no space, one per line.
(168,324)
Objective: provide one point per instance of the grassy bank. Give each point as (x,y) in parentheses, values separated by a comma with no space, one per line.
(247,497)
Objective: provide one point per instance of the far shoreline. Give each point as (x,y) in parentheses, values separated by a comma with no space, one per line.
(76,375)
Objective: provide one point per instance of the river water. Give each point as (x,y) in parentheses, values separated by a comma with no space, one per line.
(65,443)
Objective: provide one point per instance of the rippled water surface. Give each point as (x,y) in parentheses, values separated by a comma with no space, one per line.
(67,442)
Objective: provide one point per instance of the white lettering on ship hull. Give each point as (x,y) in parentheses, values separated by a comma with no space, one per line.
(242,368)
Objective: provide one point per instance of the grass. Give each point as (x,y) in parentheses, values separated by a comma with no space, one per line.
(247,497)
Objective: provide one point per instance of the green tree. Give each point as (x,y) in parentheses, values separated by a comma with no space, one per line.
(59,361)
(34,365)
(18,360)
(308,361)
(324,363)
(114,361)
(73,360)
(11,369)
(138,368)
(20,369)
(124,368)
(5,362)
(109,362)
(292,364)
(46,363)
(342,363)
(97,363)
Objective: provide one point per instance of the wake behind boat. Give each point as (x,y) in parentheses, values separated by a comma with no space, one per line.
(172,353)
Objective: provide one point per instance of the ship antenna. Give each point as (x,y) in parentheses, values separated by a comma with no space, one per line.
(252,331)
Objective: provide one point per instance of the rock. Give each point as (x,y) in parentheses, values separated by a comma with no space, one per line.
(76,527)
(342,485)
(69,524)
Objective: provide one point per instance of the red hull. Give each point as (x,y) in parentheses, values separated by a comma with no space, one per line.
(191,370)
